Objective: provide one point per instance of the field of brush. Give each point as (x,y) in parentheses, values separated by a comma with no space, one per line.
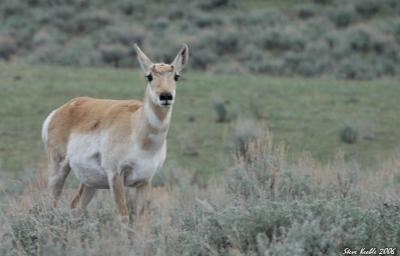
(256,165)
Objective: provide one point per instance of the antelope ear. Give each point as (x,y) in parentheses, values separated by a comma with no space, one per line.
(144,61)
(181,59)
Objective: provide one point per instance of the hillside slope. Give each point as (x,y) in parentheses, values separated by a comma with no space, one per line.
(356,39)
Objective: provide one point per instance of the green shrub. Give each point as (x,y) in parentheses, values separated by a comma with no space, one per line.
(246,131)
(367,8)
(48,36)
(62,18)
(319,227)
(349,134)
(314,29)
(7,47)
(209,5)
(79,52)
(262,17)
(365,39)
(304,64)
(114,53)
(278,39)
(11,8)
(220,109)
(342,17)
(395,29)
(277,209)
(203,54)
(123,34)
(132,8)
(205,19)
(323,1)
(21,29)
(253,58)
(88,22)
(305,11)
(265,62)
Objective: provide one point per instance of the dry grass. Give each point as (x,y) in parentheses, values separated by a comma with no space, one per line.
(261,204)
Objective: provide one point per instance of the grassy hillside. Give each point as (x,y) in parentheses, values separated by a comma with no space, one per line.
(358,39)
(307,115)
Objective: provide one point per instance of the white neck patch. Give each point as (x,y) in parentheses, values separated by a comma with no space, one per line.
(151,117)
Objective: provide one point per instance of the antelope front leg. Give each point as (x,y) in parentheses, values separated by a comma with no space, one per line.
(142,194)
(116,182)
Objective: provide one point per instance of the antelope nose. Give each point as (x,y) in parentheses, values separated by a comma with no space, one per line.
(165,96)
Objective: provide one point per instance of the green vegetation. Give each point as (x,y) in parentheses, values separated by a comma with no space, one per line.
(358,39)
(349,134)
(305,114)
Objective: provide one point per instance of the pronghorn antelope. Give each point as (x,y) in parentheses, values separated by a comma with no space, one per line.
(113,143)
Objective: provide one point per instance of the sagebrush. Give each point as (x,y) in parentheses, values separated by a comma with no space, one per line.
(345,39)
(262,205)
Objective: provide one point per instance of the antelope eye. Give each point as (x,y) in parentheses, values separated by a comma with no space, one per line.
(176,77)
(149,77)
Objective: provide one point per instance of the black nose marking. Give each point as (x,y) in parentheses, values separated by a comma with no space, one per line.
(165,96)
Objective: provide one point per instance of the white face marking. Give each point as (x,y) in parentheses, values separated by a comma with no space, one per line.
(153,96)
(150,115)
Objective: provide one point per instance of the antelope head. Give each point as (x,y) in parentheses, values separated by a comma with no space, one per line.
(162,77)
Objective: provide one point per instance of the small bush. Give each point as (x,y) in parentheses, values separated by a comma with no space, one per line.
(11,8)
(132,8)
(367,8)
(365,39)
(342,17)
(281,39)
(48,36)
(245,133)
(220,109)
(262,17)
(62,18)
(114,53)
(349,134)
(397,31)
(7,47)
(209,5)
(227,66)
(91,21)
(363,67)
(123,34)
(206,20)
(202,57)
(305,11)
(323,1)
(80,52)
(314,29)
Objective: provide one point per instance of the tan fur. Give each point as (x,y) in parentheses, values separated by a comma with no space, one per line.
(119,195)
(161,68)
(85,115)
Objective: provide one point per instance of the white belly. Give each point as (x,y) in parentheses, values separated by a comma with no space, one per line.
(87,157)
